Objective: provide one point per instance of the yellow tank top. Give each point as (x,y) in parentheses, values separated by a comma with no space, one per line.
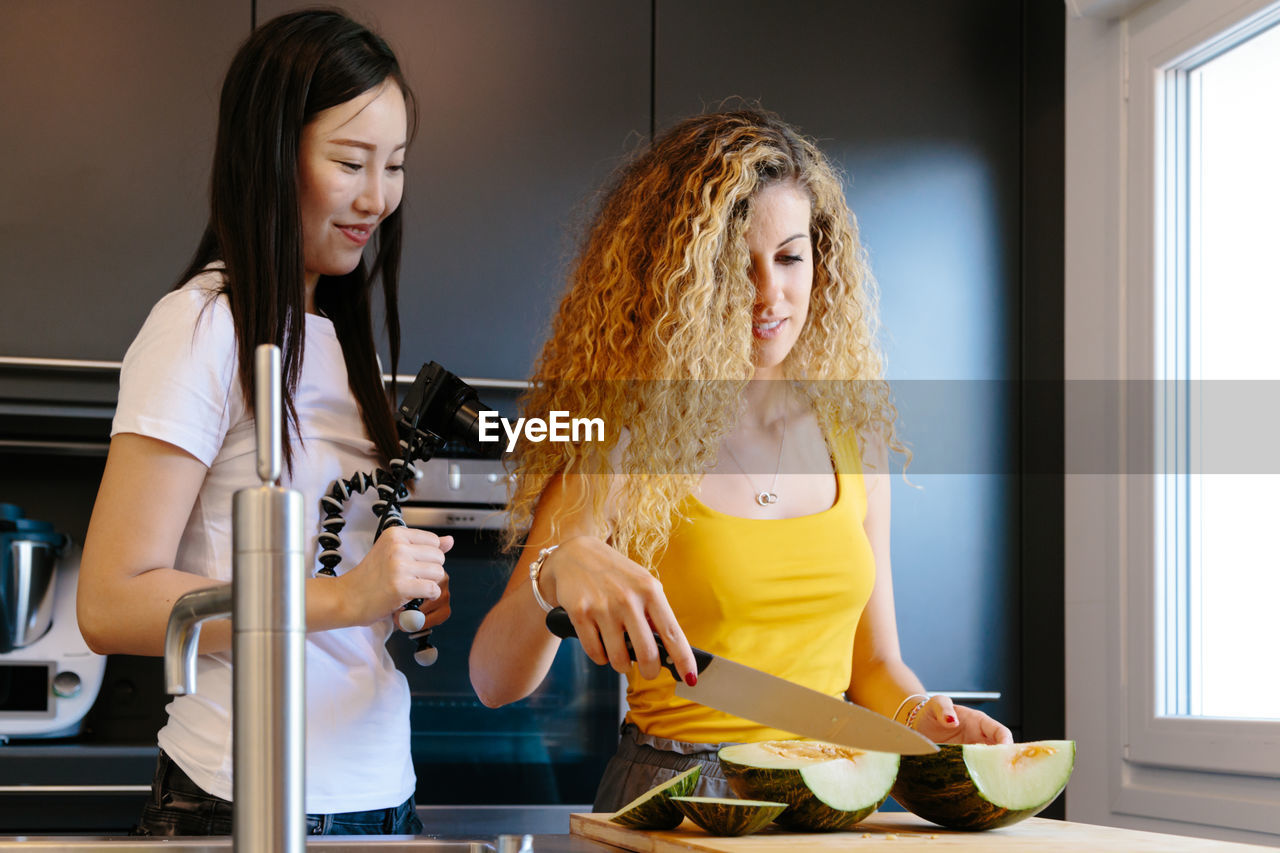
(780,595)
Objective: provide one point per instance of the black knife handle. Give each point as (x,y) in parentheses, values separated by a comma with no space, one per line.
(558,623)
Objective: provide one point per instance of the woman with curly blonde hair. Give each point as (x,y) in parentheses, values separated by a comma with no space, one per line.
(721,321)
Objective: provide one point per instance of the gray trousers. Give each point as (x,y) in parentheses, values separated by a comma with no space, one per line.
(643,762)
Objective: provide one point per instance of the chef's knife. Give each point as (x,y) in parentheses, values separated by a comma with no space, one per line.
(778,703)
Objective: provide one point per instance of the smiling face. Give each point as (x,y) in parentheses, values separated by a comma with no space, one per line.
(350,178)
(782,270)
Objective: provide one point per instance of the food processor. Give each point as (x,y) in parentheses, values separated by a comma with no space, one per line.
(48,676)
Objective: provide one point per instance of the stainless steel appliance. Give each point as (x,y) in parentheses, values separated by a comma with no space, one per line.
(48,677)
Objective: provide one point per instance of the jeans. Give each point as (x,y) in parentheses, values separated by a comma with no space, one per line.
(178,806)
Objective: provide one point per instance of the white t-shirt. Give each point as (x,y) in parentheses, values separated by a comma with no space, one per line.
(180,384)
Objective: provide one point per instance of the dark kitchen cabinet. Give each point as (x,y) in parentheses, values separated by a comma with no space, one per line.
(524,109)
(109,120)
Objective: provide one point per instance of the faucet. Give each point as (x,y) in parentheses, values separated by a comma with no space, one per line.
(266,602)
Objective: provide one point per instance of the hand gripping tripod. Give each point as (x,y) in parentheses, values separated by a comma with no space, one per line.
(439,407)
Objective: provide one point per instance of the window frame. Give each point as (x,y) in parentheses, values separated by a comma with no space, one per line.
(1166,761)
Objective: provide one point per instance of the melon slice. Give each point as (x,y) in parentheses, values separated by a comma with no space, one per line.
(722,816)
(826,787)
(983,786)
(653,809)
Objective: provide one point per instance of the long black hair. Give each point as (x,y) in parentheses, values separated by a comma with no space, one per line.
(289,70)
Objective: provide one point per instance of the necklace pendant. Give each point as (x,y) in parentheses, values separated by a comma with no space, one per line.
(766,498)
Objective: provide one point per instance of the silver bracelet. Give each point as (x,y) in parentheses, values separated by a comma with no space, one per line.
(911,717)
(535,569)
(904,704)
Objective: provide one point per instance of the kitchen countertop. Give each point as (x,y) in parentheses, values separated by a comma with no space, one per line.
(898,832)
(593,834)
(331,843)
(95,789)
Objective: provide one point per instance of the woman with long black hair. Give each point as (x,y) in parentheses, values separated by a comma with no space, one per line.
(308,169)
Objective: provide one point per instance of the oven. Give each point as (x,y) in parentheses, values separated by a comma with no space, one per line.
(548,750)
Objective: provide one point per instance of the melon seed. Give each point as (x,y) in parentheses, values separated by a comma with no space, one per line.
(1032,751)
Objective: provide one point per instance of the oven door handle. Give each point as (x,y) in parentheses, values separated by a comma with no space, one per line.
(456,517)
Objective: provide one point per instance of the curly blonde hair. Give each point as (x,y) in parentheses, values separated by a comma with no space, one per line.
(654,331)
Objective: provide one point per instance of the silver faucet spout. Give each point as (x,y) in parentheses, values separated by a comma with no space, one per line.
(269,651)
(182,636)
(267,602)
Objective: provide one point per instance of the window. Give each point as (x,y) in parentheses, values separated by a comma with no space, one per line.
(1217,308)
(1173,291)
(1200,269)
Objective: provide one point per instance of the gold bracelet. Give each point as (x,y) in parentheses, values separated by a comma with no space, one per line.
(535,569)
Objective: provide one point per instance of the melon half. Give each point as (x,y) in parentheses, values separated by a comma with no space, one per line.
(826,787)
(984,786)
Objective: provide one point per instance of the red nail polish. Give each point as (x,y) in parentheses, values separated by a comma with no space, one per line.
(950,719)
(691,678)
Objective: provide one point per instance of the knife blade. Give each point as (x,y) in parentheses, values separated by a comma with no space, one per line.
(777,703)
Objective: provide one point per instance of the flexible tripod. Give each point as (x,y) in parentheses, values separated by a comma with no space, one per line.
(438,407)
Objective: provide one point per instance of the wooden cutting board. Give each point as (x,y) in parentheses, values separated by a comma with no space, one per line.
(897,832)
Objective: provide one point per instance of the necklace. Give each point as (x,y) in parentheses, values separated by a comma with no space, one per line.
(767,497)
